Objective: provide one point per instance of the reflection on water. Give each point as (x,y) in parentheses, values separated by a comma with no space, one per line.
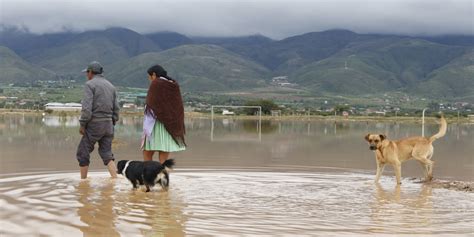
(154,213)
(236,143)
(404,211)
(108,211)
(95,207)
(96,210)
(230,202)
(61,121)
(245,179)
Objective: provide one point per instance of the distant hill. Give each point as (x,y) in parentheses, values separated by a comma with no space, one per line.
(329,62)
(460,40)
(195,67)
(108,47)
(291,53)
(455,79)
(22,42)
(247,46)
(378,65)
(168,40)
(16,70)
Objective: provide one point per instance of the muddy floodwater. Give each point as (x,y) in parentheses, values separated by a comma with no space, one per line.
(237,178)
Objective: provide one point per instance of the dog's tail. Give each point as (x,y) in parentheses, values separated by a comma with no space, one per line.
(442,130)
(168,164)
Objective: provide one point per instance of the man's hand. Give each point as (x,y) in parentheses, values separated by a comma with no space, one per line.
(82,130)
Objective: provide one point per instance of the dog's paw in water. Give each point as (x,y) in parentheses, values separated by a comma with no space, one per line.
(146,173)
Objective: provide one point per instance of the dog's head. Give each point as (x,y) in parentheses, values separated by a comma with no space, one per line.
(375,140)
(121,166)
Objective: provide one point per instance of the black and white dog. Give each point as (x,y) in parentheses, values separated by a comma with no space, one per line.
(146,173)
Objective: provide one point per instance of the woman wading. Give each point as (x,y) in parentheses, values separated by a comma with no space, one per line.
(163,123)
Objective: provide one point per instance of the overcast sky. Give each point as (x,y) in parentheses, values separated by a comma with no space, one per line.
(276,19)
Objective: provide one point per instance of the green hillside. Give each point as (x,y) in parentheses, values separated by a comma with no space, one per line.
(336,62)
(455,79)
(196,67)
(16,70)
(378,65)
(107,47)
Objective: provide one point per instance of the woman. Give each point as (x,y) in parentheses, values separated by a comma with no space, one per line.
(163,124)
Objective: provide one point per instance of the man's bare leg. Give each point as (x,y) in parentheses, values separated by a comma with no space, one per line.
(163,156)
(148,155)
(112,169)
(84,170)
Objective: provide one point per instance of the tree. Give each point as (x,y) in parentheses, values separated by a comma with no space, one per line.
(267,106)
(433,106)
(341,108)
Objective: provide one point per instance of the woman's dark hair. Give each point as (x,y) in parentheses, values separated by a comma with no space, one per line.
(159,71)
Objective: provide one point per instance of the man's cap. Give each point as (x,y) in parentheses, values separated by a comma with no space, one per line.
(94,67)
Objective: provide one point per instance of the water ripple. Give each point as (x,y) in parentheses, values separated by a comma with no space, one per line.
(230,202)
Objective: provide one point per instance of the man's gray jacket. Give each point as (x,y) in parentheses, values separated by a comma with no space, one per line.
(100,101)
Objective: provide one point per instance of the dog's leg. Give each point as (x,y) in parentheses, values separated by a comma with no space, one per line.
(164,181)
(147,188)
(428,167)
(380,168)
(425,169)
(429,177)
(398,172)
(430,171)
(134,184)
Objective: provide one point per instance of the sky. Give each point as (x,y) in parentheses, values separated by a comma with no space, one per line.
(276,19)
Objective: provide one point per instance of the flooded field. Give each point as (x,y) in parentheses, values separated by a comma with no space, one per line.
(287,178)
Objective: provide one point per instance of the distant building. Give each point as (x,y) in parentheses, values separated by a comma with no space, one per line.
(275,113)
(282,81)
(63,107)
(132,98)
(129,106)
(227,112)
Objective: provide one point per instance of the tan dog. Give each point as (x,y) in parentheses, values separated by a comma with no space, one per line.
(396,152)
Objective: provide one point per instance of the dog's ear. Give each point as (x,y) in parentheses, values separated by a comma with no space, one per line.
(367,137)
(382,137)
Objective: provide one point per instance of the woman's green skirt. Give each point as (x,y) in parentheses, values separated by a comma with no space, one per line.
(161,140)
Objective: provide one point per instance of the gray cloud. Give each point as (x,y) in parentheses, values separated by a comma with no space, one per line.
(276,19)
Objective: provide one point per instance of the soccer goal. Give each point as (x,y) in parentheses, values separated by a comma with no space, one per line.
(226,111)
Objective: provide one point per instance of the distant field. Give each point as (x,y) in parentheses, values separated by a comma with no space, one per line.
(62,95)
(293,98)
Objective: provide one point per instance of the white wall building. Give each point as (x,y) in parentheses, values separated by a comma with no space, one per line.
(63,107)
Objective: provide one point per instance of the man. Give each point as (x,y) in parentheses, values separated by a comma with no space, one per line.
(100,112)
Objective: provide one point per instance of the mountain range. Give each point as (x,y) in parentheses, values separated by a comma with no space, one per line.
(329,62)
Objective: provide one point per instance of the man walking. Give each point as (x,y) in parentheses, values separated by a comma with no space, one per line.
(100,112)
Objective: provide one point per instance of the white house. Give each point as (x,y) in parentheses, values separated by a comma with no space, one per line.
(63,107)
(227,112)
